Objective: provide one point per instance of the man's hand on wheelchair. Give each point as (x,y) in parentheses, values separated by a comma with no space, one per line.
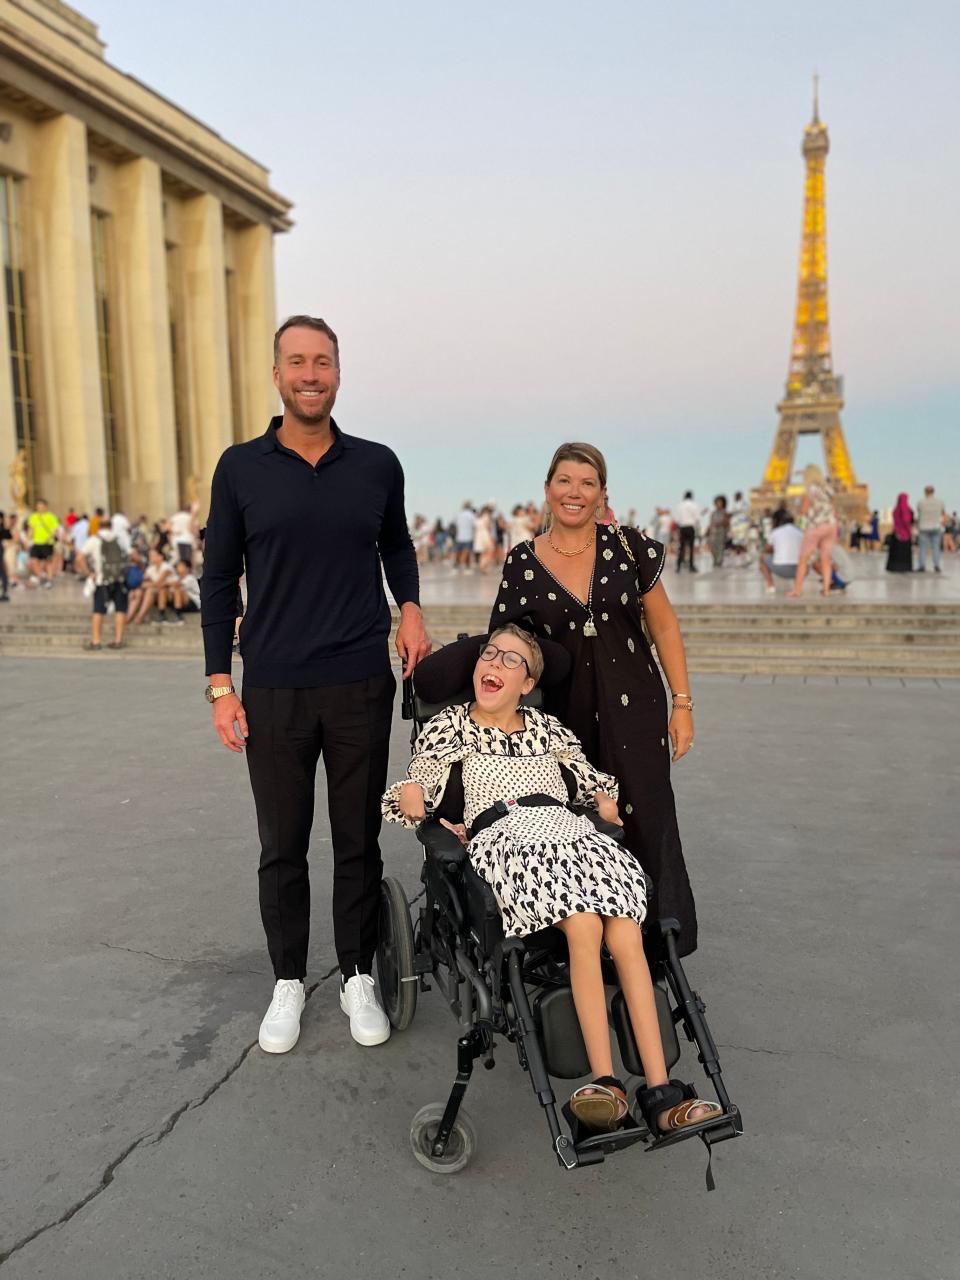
(410,801)
(607,808)
(413,643)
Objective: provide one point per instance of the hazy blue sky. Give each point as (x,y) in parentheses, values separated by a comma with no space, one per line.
(531,222)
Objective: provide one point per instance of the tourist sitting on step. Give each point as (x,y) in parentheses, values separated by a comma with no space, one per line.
(158,583)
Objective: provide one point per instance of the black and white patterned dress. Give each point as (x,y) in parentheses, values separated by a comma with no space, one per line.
(543,863)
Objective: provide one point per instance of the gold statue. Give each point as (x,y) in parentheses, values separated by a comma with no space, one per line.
(18,482)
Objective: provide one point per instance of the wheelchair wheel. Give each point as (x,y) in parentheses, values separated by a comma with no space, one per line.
(460,1148)
(395,956)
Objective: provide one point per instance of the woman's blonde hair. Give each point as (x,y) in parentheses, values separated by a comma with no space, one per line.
(575,451)
(812,474)
(535,667)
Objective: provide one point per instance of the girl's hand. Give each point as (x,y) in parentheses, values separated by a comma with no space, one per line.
(607,808)
(681,733)
(410,803)
(458,829)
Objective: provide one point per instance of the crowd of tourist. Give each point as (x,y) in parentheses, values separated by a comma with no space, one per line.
(724,533)
(146,572)
(140,571)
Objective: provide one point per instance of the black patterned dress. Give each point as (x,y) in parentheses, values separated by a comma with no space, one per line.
(543,862)
(614,700)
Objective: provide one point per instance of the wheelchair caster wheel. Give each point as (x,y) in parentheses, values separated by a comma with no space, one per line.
(460,1148)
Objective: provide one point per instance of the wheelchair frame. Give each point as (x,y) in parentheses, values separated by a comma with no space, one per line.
(484,977)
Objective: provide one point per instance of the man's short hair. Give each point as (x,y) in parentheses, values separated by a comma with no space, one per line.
(305,322)
(536,653)
(688,494)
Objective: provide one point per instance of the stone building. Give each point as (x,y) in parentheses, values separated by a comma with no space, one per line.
(138,275)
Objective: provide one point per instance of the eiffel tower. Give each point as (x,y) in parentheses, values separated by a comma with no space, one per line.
(814,393)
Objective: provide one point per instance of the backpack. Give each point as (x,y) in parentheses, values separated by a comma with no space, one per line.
(113,562)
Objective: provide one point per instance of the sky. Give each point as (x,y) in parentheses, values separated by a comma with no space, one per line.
(532,222)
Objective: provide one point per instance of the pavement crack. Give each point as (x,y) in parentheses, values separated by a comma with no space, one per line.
(190,960)
(785,1053)
(151,1139)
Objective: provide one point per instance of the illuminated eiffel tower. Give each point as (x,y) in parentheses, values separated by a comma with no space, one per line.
(814,394)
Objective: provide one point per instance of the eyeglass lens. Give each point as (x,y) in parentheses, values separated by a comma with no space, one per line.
(511,660)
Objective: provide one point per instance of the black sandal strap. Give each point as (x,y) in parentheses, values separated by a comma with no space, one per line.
(609,1082)
(653,1101)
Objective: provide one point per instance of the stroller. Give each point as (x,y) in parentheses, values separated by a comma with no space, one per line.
(518,989)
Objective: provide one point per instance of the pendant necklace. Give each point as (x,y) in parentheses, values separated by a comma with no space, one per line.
(589,627)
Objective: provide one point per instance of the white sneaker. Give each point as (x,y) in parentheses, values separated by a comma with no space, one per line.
(368,1023)
(280,1028)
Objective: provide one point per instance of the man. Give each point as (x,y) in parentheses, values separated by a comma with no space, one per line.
(463,538)
(686,515)
(121,530)
(930,520)
(42,526)
(182,533)
(782,552)
(106,560)
(311,514)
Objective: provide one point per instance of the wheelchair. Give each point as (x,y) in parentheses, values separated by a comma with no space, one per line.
(518,989)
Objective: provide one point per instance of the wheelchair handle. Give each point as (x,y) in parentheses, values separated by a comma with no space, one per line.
(407,699)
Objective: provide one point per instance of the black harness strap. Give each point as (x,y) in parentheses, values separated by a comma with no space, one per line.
(500,810)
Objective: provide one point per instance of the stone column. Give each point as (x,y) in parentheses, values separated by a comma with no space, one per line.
(72,464)
(205,305)
(8,428)
(147,367)
(253,253)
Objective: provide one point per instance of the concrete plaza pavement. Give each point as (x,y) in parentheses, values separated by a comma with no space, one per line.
(145,1135)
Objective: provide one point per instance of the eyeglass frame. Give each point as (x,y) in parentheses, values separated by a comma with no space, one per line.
(502,653)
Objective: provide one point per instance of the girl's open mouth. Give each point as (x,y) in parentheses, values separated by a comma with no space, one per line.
(491,684)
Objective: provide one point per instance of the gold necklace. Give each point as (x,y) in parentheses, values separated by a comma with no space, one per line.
(579,551)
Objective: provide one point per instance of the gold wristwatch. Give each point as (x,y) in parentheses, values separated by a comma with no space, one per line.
(212,694)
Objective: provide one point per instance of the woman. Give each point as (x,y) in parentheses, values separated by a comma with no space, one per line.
(582,584)
(520,526)
(484,547)
(900,554)
(718,530)
(821,530)
(546,865)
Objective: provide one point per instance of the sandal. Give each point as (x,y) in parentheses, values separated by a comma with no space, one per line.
(602,1104)
(674,1101)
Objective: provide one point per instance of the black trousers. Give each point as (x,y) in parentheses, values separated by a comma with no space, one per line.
(688,536)
(349,725)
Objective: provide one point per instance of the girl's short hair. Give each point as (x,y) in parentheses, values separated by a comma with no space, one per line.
(536,653)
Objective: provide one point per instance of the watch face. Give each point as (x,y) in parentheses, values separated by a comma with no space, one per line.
(208,693)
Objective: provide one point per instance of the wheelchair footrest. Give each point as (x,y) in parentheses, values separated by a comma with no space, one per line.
(719,1129)
(603,1140)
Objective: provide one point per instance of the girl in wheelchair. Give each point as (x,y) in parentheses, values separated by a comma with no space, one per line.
(548,865)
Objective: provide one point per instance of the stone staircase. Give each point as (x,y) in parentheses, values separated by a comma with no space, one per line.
(832,638)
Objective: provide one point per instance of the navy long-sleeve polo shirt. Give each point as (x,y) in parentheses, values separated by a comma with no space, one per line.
(311,540)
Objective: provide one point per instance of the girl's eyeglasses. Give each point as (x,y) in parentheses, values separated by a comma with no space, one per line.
(511,660)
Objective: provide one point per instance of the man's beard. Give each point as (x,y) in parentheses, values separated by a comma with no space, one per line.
(324,406)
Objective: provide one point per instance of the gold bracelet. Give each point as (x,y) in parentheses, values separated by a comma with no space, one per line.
(680,695)
(683,706)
